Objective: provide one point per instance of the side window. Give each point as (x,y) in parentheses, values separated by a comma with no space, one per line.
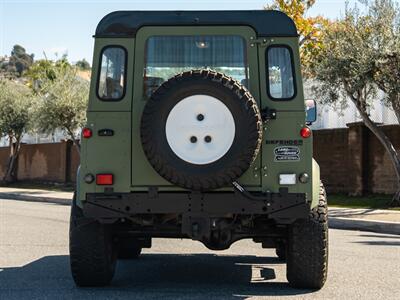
(280,73)
(111,81)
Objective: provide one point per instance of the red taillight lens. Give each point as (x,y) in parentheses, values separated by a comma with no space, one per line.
(86,133)
(104,179)
(305,132)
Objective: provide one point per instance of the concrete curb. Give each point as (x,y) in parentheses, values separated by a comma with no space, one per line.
(364,225)
(15,196)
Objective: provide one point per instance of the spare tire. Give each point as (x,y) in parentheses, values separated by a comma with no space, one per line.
(201,130)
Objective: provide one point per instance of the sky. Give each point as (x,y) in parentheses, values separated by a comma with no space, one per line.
(67,26)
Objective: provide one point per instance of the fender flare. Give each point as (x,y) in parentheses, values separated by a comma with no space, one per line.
(316,180)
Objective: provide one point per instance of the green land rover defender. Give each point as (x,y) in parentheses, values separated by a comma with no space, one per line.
(197,128)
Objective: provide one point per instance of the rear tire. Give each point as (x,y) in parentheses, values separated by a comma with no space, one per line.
(91,248)
(307,255)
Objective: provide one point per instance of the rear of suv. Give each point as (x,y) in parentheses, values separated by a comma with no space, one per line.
(197,128)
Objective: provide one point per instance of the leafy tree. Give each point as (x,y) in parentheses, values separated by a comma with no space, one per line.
(63,103)
(2,60)
(19,62)
(352,62)
(40,70)
(18,51)
(45,70)
(387,77)
(83,64)
(310,29)
(16,103)
(384,19)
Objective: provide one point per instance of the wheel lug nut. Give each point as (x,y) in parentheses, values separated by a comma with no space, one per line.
(193,139)
(200,117)
(207,139)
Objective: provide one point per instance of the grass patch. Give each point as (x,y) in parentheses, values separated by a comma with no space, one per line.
(369,201)
(56,187)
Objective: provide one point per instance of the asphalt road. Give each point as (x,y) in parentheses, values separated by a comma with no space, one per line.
(34,265)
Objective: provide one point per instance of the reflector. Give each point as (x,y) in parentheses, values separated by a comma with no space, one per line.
(104,179)
(86,133)
(305,132)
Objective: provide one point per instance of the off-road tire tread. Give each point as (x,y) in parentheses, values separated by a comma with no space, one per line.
(230,172)
(307,256)
(90,244)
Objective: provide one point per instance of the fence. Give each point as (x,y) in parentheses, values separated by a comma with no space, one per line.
(353,161)
(53,162)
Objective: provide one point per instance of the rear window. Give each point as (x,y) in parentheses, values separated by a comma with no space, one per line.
(280,73)
(167,56)
(111,82)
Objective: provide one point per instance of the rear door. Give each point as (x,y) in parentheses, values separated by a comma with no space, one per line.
(284,150)
(108,150)
(151,70)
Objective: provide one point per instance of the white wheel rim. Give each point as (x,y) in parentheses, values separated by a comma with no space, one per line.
(183,123)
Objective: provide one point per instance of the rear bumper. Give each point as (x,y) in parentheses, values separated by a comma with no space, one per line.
(283,206)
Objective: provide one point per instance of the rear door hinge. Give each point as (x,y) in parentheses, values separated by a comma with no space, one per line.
(260,41)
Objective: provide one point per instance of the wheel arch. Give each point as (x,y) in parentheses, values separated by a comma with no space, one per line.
(316,180)
(78,193)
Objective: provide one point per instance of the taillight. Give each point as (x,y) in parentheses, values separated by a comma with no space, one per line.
(86,133)
(305,132)
(104,179)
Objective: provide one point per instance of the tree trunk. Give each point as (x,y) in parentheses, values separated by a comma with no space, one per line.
(10,175)
(386,143)
(77,145)
(75,141)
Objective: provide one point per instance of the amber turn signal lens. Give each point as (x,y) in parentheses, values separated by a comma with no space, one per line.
(305,132)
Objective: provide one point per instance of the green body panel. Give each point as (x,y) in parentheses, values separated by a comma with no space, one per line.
(111,154)
(296,104)
(286,127)
(290,118)
(143,174)
(125,103)
(123,156)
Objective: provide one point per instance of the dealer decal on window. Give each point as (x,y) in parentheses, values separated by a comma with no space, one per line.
(287,153)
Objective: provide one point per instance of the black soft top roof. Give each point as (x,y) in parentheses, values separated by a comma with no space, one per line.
(264,22)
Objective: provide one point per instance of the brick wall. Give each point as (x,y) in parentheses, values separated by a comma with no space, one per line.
(53,162)
(42,162)
(4,153)
(381,176)
(330,151)
(353,161)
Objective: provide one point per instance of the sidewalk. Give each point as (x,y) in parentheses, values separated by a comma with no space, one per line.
(376,220)
(39,195)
